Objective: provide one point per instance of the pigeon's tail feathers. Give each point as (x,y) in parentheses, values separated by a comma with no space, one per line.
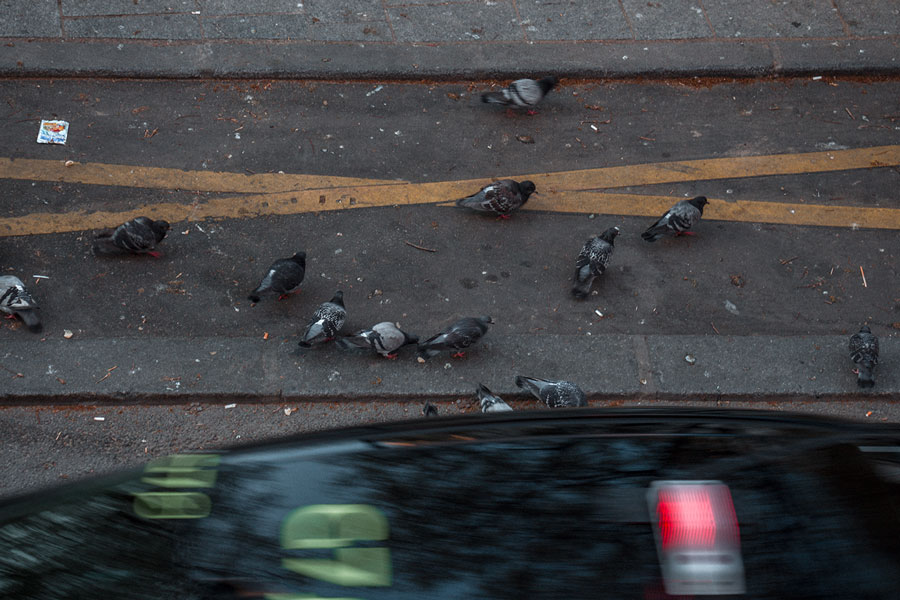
(866,376)
(409,338)
(254,297)
(353,342)
(429,410)
(494,98)
(424,352)
(581,286)
(529,384)
(105,245)
(32,320)
(654,232)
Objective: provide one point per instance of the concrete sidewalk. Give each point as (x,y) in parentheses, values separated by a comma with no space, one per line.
(352,39)
(608,367)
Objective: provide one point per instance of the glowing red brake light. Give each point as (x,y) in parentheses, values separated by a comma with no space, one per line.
(696,516)
(697,537)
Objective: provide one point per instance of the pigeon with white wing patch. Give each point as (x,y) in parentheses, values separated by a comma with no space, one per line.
(555,394)
(16,301)
(327,321)
(678,220)
(592,261)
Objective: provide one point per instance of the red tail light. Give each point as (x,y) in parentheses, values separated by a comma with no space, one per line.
(697,537)
(696,516)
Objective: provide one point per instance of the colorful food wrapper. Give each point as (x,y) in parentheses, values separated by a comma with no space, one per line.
(53,132)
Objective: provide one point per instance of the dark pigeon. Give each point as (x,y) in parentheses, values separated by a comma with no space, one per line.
(490,403)
(138,236)
(429,409)
(864,352)
(679,219)
(555,394)
(326,322)
(457,337)
(501,197)
(384,338)
(521,93)
(592,261)
(16,301)
(283,277)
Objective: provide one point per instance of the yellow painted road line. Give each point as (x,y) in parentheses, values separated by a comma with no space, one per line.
(746,211)
(170,179)
(708,169)
(295,194)
(604,177)
(289,203)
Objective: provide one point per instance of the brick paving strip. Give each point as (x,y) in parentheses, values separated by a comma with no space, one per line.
(341,39)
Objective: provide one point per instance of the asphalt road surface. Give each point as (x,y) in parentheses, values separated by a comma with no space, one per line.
(359,175)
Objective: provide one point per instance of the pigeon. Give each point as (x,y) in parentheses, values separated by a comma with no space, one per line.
(555,394)
(283,277)
(458,336)
(864,352)
(15,300)
(521,93)
(326,322)
(384,338)
(592,261)
(137,236)
(679,219)
(489,402)
(429,409)
(501,197)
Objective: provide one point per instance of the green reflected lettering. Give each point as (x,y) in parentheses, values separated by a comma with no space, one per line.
(338,527)
(172,505)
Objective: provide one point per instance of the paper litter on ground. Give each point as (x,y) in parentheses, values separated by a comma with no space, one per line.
(53,132)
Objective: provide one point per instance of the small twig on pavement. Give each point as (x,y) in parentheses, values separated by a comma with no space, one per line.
(419,247)
(863,273)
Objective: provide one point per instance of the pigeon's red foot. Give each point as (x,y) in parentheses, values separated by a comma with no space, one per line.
(856,371)
(458,355)
(685,233)
(391,356)
(9,316)
(505,217)
(155,254)
(532,112)
(286,296)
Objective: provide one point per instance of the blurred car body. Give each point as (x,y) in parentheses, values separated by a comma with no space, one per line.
(545,504)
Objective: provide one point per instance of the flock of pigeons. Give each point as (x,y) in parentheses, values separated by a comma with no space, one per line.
(142,234)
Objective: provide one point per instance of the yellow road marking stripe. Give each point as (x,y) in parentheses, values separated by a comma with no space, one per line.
(169,179)
(294,194)
(604,177)
(288,203)
(746,211)
(708,169)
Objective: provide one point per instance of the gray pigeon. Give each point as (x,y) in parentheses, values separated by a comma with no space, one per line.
(555,394)
(384,338)
(521,93)
(326,322)
(15,300)
(501,197)
(592,261)
(429,409)
(489,402)
(457,337)
(137,236)
(679,219)
(864,352)
(283,277)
